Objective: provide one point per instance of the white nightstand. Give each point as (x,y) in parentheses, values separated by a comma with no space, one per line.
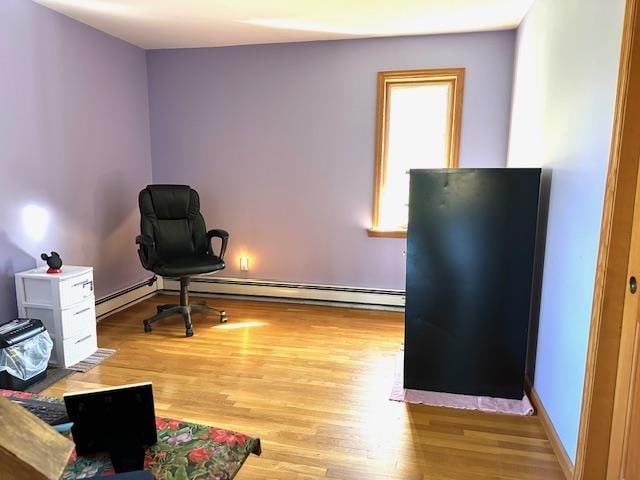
(65,303)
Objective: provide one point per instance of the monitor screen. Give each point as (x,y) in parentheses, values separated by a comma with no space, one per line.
(112,418)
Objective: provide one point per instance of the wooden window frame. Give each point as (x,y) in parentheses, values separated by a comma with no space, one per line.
(452,76)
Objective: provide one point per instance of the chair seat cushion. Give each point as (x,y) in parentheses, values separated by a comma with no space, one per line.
(185,266)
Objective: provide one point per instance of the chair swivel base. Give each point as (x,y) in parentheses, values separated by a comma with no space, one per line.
(167,310)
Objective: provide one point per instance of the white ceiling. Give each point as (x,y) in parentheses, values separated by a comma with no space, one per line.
(202,23)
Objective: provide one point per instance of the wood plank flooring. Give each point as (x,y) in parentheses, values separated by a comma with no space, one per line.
(313,383)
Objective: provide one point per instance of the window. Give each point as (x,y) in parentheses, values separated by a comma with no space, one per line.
(418,126)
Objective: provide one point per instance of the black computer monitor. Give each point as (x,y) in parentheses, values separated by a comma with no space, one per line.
(118,420)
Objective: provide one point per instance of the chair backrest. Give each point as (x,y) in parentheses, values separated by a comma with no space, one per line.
(170,215)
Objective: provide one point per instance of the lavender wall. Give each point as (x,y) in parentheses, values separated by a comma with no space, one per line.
(564,93)
(279,140)
(74,145)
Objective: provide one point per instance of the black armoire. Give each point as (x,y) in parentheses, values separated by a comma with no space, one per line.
(470,265)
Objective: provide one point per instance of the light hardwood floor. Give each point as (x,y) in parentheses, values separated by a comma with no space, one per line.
(313,383)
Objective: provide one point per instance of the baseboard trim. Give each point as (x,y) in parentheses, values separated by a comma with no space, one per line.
(563,458)
(292,292)
(126,297)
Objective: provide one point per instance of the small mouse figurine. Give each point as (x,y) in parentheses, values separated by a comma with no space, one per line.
(54,261)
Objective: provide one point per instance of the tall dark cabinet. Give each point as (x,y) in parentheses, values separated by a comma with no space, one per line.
(470,266)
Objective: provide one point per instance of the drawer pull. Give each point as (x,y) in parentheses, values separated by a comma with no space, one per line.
(82,311)
(83,339)
(84,284)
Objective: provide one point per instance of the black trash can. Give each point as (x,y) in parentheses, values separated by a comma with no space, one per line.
(14,334)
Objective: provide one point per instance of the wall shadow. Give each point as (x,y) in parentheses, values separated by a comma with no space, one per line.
(536,298)
(12,259)
(116,224)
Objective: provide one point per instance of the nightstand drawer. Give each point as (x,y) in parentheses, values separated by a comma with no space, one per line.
(67,323)
(74,349)
(76,289)
(80,319)
(37,288)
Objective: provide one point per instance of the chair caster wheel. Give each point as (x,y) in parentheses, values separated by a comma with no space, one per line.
(189,332)
(147,327)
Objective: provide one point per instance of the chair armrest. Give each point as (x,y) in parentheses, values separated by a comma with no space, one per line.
(223,235)
(146,251)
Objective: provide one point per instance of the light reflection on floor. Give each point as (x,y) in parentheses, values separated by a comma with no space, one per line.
(238,325)
(382,421)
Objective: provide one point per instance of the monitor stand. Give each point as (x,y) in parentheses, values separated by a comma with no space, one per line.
(127,457)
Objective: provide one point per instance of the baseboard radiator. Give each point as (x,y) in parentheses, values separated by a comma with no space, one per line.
(126,297)
(292,292)
(379,299)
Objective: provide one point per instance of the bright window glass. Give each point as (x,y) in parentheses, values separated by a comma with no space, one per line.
(417,137)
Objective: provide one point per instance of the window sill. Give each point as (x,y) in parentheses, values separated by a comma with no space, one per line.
(375,232)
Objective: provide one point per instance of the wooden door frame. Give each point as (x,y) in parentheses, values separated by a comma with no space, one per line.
(613,256)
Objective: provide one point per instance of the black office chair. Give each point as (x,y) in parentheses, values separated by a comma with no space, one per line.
(175,243)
